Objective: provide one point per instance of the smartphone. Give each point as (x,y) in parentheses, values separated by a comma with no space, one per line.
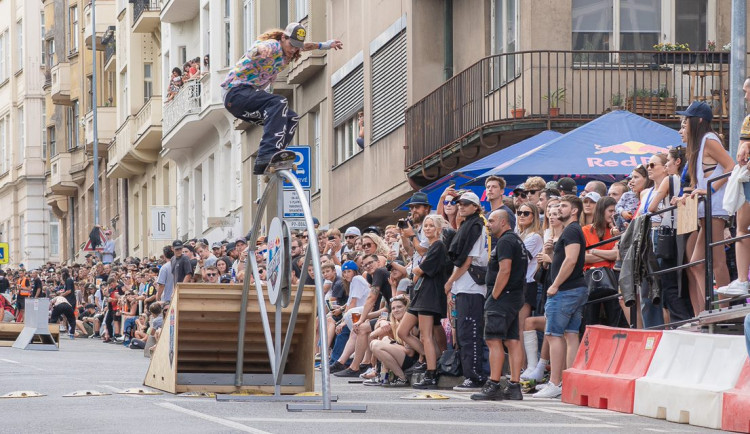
(329,305)
(384,315)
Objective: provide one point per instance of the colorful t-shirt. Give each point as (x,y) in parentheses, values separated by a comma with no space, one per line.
(257,71)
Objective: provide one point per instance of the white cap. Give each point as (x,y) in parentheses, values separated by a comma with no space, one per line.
(592,196)
(470,196)
(352,230)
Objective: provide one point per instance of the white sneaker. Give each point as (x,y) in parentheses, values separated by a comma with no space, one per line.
(540,387)
(735,288)
(536,374)
(549,391)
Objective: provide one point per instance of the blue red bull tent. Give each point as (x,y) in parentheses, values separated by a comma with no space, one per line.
(605,149)
(467,173)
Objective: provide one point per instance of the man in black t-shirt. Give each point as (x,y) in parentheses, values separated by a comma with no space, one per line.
(182,270)
(506,272)
(4,283)
(566,295)
(37,289)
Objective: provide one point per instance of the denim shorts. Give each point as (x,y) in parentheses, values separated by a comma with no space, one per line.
(564,311)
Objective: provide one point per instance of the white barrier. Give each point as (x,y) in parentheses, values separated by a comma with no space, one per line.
(687,376)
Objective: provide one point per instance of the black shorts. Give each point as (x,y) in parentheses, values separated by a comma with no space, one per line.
(373,322)
(530,292)
(21,302)
(501,316)
(436,317)
(409,361)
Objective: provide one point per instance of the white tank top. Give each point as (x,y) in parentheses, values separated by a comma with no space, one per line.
(717,198)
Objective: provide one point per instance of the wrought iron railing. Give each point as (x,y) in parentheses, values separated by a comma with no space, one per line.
(140,6)
(562,85)
(109,50)
(186,102)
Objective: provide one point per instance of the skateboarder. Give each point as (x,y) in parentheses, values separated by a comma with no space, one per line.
(245,88)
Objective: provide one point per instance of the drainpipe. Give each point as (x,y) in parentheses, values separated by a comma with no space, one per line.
(448,39)
(125,221)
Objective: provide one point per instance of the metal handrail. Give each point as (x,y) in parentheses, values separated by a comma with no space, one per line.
(708,227)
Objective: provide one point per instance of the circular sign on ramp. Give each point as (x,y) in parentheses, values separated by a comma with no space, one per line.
(276,253)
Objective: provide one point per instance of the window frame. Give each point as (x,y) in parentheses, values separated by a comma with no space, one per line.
(73,37)
(248,24)
(148,81)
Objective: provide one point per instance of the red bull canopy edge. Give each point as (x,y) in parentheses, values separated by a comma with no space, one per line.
(607,149)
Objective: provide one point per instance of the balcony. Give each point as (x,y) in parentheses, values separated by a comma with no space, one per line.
(175,11)
(146,16)
(105,125)
(105,17)
(60,83)
(513,96)
(186,102)
(309,64)
(60,180)
(109,55)
(147,134)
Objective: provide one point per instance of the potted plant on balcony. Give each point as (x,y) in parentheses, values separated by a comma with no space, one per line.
(651,103)
(554,98)
(616,102)
(517,111)
(673,53)
(713,56)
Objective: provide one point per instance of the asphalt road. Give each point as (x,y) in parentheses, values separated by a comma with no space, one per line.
(91,365)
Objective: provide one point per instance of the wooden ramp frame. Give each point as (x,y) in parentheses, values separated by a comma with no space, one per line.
(197,350)
(9,332)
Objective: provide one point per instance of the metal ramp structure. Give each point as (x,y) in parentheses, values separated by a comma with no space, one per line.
(36,333)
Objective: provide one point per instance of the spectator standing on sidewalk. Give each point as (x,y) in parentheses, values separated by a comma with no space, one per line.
(566,296)
(506,278)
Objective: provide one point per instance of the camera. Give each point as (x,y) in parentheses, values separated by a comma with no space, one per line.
(331,238)
(403,223)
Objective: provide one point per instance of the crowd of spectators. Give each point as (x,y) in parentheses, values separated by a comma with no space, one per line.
(191,70)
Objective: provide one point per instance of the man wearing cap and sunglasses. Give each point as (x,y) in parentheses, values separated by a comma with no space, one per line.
(245,95)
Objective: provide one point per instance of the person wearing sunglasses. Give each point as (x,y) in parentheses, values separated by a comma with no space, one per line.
(534,186)
(530,230)
(448,207)
(211,274)
(519,196)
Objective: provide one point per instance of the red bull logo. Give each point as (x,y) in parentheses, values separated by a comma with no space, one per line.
(639,153)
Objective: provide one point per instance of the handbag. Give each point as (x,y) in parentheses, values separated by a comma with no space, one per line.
(478,274)
(601,282)
(665,246)
(449,363)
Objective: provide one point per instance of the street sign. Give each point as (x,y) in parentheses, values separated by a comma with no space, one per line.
(100,248)
(295,223)
(220,222)
(4,253)
(303,166)
(292,204)
(161,222)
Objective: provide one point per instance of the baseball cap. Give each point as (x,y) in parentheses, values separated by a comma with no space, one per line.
(316,221)
(592,196)
(419,198)
(520,188)
(552,184)
(296,34)
(372,230)
(567,185)
(177,243)
(349,265)
(470,197)
(352,230)
(698,109)
(230,247)
(216,245)
(240,240)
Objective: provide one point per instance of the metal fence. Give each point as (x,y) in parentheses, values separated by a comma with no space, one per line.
(140,6)
(563,85)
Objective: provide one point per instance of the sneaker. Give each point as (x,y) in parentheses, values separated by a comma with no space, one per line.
(259,167)
(512,392)
(417,368)
(398,382)
(347,373)
(119,339)
(375,381)
(490,392)
(735,288)
(533,374)
(370,373)
(426,383)
(550,391)
(337,367)
(72,336)
(540,387)
(469,385)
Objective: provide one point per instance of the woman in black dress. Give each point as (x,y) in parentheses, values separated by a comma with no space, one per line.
(428,303)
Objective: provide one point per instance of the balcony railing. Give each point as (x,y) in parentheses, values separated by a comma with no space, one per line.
(186,102)
(525,86)
(109,50)
(141,6)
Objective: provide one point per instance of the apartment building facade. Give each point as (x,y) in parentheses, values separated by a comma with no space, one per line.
(25,219)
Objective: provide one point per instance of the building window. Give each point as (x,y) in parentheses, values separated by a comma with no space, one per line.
(89,93)
(54,235)
(19,42)
(124,110)
(50,52)
(248,18)
(21,135)
(690,24)
(388,87)
(227,34)
(4,56)
(44,131)
(300,9)
(505,41)
(52,143)
(73,29)
(316,144)
(71,125)
(283,13)
(182,55)
(43,59)
(148,82)
(348,100)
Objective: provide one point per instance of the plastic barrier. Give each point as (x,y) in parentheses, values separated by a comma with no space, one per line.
(197,349)
(687,376)
(608,362)
(735,415)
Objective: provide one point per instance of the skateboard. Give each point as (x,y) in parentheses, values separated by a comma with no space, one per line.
(282,160)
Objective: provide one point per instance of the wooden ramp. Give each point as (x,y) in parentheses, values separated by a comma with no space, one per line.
(9,332)
(197,350)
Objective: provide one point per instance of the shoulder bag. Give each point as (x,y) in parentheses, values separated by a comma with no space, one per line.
(601,281)
(665,246)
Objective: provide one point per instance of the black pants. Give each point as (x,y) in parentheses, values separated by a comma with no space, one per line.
(613,315)
(66,310)
(470,333)
(280,122)
(679,308)
(109,319)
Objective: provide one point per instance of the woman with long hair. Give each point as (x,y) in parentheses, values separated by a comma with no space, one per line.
(706,159)
(245,94)
(530,230)
(389,349)
(448,206)
(429,304)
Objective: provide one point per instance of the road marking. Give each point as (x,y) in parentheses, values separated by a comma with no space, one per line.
(655,430)
(548,410)
(214,419)
(11,361)
(426,422)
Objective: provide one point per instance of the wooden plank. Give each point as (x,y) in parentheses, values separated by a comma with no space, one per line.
(687,216)
(162,370)
(286,390)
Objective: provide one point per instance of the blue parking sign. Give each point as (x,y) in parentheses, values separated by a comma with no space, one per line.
(4,253)
(303,166)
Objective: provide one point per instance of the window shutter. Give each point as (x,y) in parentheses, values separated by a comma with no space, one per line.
(389,87)
(348,96)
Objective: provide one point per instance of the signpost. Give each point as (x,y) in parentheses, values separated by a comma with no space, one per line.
(293,214)
(4,253)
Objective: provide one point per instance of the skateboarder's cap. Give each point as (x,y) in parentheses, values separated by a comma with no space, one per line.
(296,34)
